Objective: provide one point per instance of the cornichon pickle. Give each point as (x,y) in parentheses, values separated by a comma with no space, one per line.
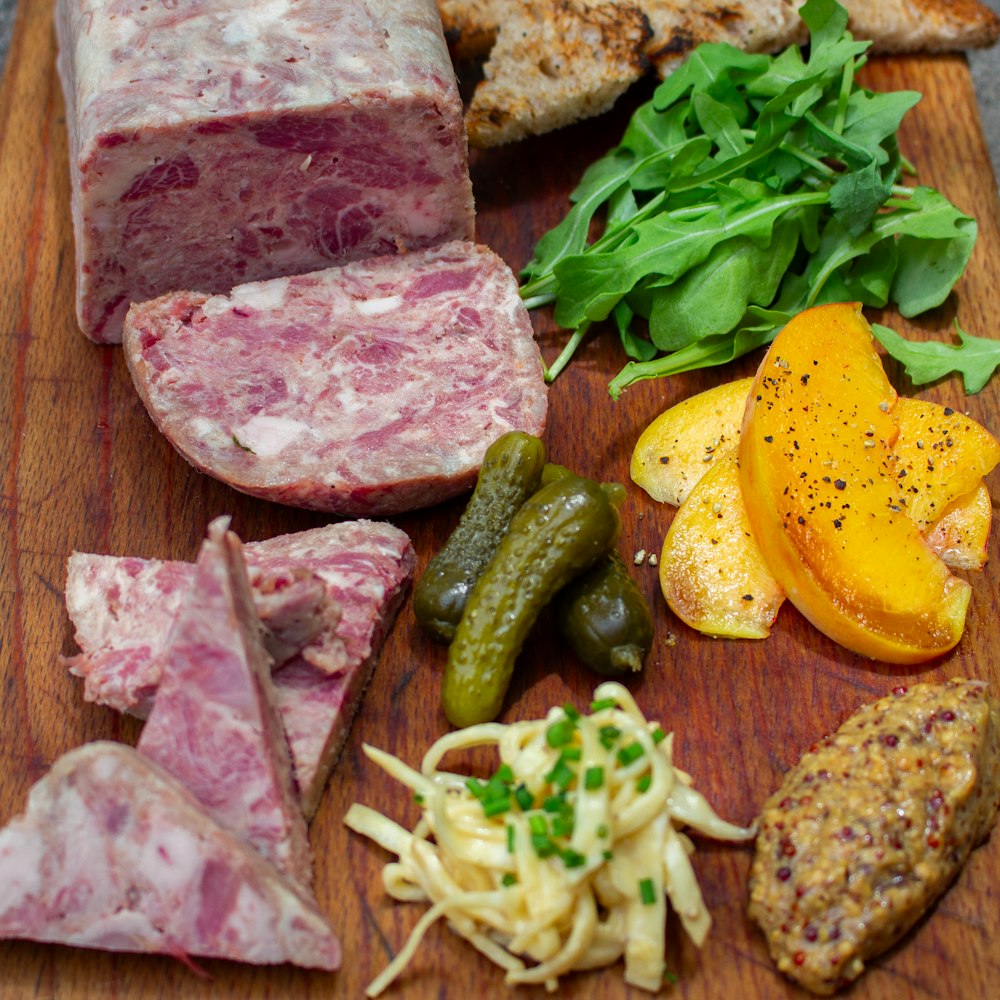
(510,472)
(602,613)
(559,532)
(552,471)
(606,619)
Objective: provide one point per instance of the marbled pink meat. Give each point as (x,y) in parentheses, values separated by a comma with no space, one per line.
(372,388)
(122,609)
(215,142)
(214,724)
(113,853)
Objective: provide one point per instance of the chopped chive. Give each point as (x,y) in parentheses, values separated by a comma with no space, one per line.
(602,703)
(538,826)
(571,753)
(494,807)
(418,798)
(670,977)
(646,891)
(560,775)
(524,798)
(593,778)
(608,735)
(509,879)
(659,735)
(571,713)
(629,754)
(607,855)
(554,803)
(476,787)
(497,788)
(544,847)
(562,826)
(504,773)
(642,785)
(510,839)
(602,830)
(571,858)
(560,733)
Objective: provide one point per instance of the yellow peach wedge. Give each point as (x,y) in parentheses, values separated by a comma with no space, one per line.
(960,535)
(819,479)
(712,573)
(940,455)
(681,444)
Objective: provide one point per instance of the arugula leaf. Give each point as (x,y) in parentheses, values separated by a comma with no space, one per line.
(706,353)
(748,188)
(710,64)
(665,245)
(976,359)
(707,299)
(826,24)
(635,347)
(871,119)
(857,196)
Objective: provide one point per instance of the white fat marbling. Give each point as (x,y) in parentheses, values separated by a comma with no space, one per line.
(174,855)
(261,295)
(206,430)
(377,307)
(266,435)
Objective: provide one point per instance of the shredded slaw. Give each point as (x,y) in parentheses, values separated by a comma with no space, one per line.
(565,858)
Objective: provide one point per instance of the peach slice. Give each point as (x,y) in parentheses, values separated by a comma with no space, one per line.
(712,573)
(819,478)
(681,444)
(960,535)
(941,455)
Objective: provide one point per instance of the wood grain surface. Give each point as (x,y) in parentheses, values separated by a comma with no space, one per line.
(85,469)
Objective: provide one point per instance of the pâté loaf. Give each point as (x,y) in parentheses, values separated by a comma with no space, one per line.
(215,142)
(368,389)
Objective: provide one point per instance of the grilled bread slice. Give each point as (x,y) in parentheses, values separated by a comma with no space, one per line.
(551,62)
(923,25)
(470,26)
(769,25)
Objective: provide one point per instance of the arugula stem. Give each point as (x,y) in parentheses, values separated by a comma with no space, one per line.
(567,352)
(846,86)
(708,353)
(540,291)
(800,154)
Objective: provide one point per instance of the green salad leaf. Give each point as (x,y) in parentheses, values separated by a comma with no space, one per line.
(975,358)
(751,187)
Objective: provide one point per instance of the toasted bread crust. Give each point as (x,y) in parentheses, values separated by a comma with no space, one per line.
(761,26)
(470,26)
(769,25)
(552,62)
(923,25)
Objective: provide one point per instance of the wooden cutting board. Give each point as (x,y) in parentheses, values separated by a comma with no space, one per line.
(85,469)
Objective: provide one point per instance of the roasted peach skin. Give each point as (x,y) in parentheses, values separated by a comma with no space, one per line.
(941,456)
(960,535)
(942,450)
(818,474)
(712,573)
(681,444)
